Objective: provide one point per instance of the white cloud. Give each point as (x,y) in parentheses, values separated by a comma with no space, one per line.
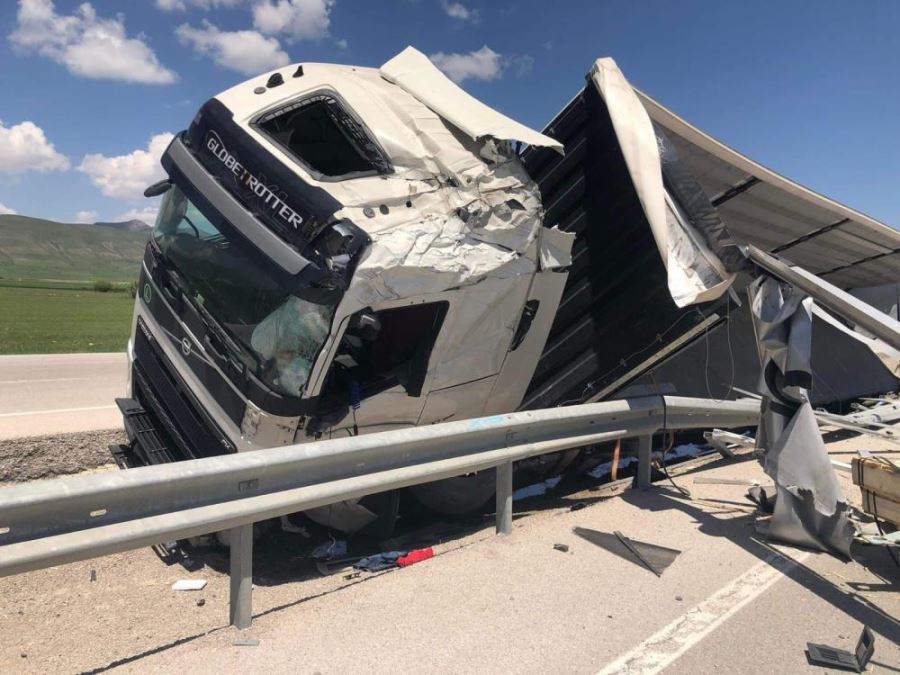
(341,44)
(86,217)
(24,147)
(482,64)
(245,51)
(88,46)
(181,5)
(522,64)
(147,214)
(296,19)
(457,10)
(126,176)
(7,211)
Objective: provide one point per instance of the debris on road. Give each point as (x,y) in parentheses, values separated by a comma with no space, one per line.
(328,567)
(387,560)
(711,480)
(831,657)
(561,547)
(288,526)
(246,642)
(414,557)
(330,550)
(189,585)
(727,442)
(765,501)
(379,562)
(879,484)
(652,556)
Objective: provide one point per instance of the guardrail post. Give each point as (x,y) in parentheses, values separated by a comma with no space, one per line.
(241,570)
(645,445)
(504,498)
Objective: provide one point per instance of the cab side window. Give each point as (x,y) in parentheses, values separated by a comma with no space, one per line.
(380,350)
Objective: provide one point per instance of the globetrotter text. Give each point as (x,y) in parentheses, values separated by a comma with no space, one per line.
(269,198)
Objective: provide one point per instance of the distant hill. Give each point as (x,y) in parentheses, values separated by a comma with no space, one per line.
(31,248)
(130,225)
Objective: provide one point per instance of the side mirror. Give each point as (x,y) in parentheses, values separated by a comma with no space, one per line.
(158,188)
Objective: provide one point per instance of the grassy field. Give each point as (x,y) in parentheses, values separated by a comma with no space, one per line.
(47,318)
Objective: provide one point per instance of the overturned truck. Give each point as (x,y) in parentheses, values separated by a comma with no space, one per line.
(343,250)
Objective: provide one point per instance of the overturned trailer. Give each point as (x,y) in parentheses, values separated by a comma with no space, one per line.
(345,250)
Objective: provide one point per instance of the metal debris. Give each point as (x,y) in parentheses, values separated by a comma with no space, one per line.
(830,657)
(727,442)
(725,481)
(655,558)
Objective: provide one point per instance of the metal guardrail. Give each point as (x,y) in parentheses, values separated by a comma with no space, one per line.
(52,522)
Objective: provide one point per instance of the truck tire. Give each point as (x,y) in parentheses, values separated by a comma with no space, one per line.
(459,495)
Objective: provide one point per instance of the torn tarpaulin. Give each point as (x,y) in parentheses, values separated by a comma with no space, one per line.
(810,509)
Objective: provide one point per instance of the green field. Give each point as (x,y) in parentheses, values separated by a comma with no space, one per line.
(60,318)
(47,272)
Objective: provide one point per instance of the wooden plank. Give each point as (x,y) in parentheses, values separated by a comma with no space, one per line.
(882,507)
(614,471)
(877,476)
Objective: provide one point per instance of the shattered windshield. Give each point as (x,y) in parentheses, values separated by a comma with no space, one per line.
(279,334)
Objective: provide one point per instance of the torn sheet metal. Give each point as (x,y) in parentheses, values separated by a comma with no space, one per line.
(695,274)
(412,71)
(469,228)
(810,509)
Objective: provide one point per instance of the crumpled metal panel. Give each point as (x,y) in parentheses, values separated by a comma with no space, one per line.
(810,509)
(412,71)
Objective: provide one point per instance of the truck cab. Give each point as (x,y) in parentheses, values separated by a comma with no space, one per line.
(339,250)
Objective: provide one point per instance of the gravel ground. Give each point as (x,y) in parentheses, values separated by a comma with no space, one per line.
(24,459)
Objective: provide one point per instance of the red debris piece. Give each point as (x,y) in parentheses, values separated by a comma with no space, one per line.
(413,557)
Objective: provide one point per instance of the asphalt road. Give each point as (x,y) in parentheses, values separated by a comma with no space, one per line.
(59,393)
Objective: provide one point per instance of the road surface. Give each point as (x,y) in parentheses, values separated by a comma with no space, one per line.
(729,603)
(59,393)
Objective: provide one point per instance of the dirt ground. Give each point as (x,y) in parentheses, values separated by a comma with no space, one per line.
(120,612)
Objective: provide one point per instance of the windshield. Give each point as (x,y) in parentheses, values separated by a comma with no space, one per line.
(279,334)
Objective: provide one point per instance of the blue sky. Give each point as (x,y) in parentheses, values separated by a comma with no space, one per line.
(809,89)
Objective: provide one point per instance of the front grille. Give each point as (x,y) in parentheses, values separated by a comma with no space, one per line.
(161,391)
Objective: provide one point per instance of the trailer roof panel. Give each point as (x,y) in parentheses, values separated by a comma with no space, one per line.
(763,208)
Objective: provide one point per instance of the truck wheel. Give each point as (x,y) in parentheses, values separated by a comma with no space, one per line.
(386,505)
(259,529)
(459,495)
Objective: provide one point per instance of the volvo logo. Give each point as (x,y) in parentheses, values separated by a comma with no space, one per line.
(148,293)
(185,347)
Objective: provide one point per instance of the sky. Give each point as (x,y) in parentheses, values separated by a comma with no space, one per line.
(92,91)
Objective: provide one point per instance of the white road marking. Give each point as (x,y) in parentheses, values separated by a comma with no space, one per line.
(664,647)
(57,410)
(51,379)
